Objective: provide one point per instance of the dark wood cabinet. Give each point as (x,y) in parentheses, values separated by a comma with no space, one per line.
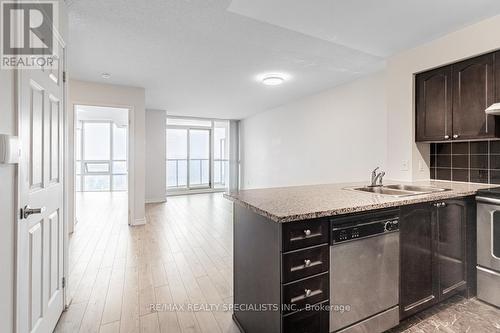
(450,101)
(497,77)
(418,286)
(473,91)
(284,267)
(451,249)
(434,102)
(308,321)
(434,252)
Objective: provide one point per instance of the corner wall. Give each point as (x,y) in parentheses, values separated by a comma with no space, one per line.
(98,94)
(156,156)
(335,136)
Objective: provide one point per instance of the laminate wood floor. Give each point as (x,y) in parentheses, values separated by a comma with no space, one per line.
(182,256)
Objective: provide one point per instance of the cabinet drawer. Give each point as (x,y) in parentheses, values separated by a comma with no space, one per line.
(308,321)
(298,235)
(303,263)
(308,291)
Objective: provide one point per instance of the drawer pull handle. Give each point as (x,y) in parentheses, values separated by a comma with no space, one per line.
(307,293)
(306,235)
(307,264)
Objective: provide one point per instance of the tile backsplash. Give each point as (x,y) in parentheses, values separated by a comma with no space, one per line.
(475,161)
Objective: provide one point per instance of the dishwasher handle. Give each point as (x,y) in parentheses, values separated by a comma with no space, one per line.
(488,200)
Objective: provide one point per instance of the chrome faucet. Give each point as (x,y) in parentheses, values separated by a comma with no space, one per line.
(377,177)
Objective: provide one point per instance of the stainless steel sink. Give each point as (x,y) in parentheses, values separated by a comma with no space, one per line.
(399,190)
(416,188)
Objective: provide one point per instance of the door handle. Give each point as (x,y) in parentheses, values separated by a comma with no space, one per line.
(27,211)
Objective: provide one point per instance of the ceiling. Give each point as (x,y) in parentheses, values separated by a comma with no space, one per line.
(203,57)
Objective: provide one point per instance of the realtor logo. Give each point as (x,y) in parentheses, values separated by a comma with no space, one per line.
(28,34)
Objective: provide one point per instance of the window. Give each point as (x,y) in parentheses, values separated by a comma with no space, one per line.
(197,154)
(96,143)
(101,156)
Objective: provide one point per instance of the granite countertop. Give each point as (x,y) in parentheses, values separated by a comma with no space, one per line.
(287,204)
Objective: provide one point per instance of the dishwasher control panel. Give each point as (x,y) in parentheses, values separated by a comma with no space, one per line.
(362,230)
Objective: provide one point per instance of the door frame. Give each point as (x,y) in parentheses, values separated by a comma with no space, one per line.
(130,151)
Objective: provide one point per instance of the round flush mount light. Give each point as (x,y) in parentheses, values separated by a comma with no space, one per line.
(105,75)
(273,80)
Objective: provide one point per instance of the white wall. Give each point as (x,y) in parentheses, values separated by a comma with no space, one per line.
(335,136)
(98,94)
(468,42)
(156,130)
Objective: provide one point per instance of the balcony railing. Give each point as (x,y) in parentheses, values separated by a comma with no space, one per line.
(177,172)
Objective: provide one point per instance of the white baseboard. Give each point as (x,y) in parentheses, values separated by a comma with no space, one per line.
(156,200)
(140,221)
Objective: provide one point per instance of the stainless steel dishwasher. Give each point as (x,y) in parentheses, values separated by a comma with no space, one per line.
(364,276)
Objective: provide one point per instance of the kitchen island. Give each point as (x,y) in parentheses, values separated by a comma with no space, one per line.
(283,252)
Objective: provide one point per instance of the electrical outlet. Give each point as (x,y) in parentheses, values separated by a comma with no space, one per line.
(404,165)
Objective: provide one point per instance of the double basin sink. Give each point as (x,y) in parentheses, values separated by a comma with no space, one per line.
(399,190)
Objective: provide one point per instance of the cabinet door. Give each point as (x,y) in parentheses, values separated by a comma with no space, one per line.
(451,252)
(434,105)
(497,77)
(419,286)
(473,92)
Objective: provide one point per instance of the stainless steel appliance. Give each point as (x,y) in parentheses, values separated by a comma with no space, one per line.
(488,245)
(364,278)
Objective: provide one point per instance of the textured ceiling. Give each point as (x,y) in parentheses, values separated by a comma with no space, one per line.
(202,57)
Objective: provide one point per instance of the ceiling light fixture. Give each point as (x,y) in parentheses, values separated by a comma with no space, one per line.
(105,75)
(273,80)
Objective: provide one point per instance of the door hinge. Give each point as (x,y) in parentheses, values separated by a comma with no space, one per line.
(64,76)
(63,282)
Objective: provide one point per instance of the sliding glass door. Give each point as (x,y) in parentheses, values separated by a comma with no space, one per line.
(188,158)
(199,158)
(197,154)
(177,158)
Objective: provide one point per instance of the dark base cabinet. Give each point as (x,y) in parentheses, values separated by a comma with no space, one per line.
(308,321)
(282,271)
(436,253)
(284,266)
(418,278)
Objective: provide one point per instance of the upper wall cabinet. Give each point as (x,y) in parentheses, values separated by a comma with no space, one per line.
(473,91)
(433,98)
(450,101)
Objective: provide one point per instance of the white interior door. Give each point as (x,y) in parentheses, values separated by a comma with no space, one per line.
(40,237)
